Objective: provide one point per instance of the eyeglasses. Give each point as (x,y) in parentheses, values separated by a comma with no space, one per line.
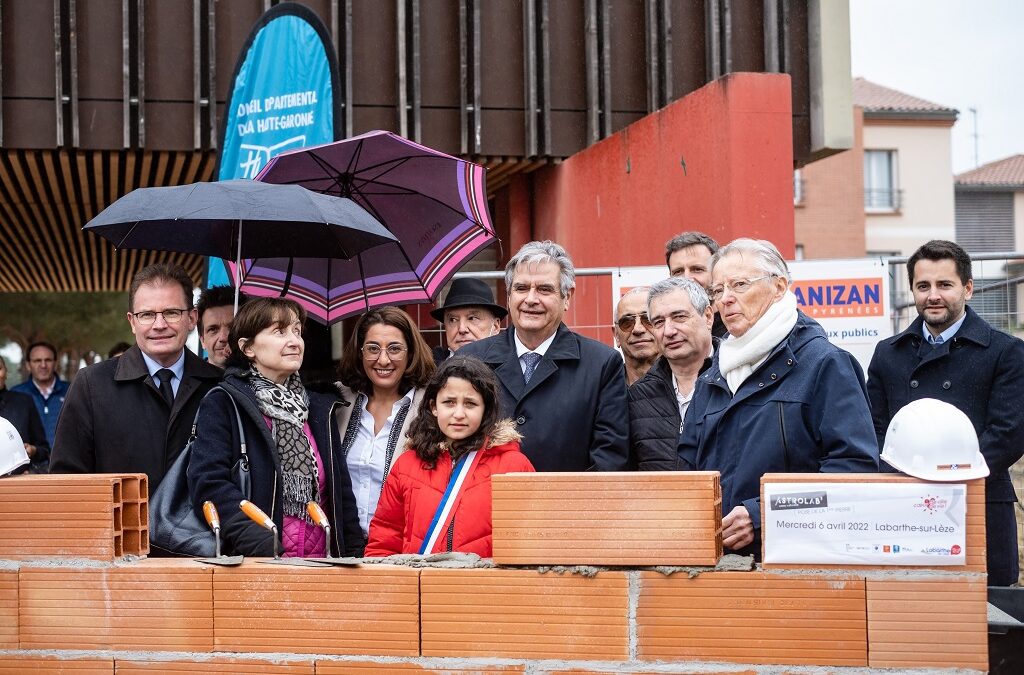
(372,351)
(170,316)
(626,322)
(738,287)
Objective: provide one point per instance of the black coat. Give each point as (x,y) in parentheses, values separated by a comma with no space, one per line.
(573,414)
(20,410)
(114,419)
(654,419)
(981,372)
(216,449)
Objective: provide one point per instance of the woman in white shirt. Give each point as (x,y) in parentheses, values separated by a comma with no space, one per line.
(383,371)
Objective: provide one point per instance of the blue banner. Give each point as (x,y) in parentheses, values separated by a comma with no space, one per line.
(282,98)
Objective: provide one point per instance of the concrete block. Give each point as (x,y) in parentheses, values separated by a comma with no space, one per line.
(937,622)
(371,610)
(158,605)
(630,518)
(522,614)
(753,617)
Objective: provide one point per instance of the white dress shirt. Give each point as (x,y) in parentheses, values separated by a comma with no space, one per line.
(366,460)
(521,349)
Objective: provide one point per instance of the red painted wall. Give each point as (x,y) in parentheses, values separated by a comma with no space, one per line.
(718,160)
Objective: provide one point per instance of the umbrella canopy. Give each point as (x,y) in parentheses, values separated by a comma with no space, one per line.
(239,218)
(434,204)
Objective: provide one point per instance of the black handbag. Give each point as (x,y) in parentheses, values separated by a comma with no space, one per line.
(174,526)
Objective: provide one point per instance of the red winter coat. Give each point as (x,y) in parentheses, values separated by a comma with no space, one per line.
(412,493)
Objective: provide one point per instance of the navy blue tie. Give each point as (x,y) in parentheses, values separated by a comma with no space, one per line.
(530,361)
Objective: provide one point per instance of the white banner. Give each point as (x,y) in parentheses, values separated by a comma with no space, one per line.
(864,523)
(849,298)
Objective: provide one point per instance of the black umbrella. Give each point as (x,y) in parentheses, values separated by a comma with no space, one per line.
(239,219)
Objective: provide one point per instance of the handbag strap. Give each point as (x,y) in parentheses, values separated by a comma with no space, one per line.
(244,459)
(447,505)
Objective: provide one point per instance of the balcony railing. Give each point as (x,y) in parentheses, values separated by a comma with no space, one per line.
(883,199)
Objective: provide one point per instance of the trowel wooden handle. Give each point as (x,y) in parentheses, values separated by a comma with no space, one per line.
(256,514)
(317,515)
(212,518)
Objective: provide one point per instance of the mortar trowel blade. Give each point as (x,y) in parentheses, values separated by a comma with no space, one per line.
(342,562)
(224,560)
(297,562)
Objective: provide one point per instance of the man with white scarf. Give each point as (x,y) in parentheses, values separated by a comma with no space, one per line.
(778,397)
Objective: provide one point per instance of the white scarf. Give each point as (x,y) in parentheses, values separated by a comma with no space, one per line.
(738,356)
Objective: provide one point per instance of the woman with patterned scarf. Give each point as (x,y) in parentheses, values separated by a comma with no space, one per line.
(290,439)
(383,372)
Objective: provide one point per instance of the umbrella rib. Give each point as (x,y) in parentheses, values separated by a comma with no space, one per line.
(362,275)
(412,268)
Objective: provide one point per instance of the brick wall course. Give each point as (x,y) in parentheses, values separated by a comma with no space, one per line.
(8,609)
(18,664)
(375,668)
(647,518)
(372,610)
(524,615)
(929,622)
(753,617)
(210,666)
(150,605)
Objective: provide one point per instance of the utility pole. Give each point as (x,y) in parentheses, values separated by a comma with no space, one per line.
(974,114)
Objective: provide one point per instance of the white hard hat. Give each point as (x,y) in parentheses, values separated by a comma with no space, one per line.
(934,440)
(12,448)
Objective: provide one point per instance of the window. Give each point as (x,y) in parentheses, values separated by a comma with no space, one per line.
(880,186)
(798,188)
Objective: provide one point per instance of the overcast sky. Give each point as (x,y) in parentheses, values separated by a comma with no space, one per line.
(960,53)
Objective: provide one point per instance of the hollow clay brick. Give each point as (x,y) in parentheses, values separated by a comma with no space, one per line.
(753,617)
(324,667)
(928,622)
(646,518)
(8,609)
(681,670)
(18,664)
(218,664)
(523,614)
(975,535)
(371,610)
(158,605)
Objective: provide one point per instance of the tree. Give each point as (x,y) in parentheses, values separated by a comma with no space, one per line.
(81,325)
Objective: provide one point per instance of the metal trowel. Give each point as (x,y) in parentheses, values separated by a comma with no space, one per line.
(257,515)
(213,520)
(320,518)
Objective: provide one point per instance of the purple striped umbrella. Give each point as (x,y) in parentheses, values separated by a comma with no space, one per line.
(434,204)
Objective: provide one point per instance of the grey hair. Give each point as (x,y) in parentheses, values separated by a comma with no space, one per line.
(698,296)
(688,239)
(542,252)
(636,290)
(766,256)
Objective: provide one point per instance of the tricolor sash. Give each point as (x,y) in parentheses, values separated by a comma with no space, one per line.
(449,500)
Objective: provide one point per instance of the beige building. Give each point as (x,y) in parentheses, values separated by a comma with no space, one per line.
(888,194)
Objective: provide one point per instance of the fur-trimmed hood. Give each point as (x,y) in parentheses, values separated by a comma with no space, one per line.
(504,434)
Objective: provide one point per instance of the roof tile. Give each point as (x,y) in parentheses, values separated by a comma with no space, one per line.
(1008,172)
(876,98)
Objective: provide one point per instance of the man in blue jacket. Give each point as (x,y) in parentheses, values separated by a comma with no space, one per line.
(44,386)
(951,354)
(565,392)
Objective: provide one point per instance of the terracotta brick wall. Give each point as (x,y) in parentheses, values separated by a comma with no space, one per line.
(829,222)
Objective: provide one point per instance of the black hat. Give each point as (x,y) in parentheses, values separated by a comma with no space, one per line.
(468,292)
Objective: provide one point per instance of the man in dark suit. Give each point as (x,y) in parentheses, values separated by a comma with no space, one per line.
(951,354)
(20,411)
(468,314)
(134,414)
(565,392)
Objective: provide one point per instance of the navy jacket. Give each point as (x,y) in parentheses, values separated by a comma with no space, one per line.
(981,372)
(804,410)
(48,406)
(18,409)
(573,414)
(216,449)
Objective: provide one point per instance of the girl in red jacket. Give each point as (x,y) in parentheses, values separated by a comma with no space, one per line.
(438,497)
